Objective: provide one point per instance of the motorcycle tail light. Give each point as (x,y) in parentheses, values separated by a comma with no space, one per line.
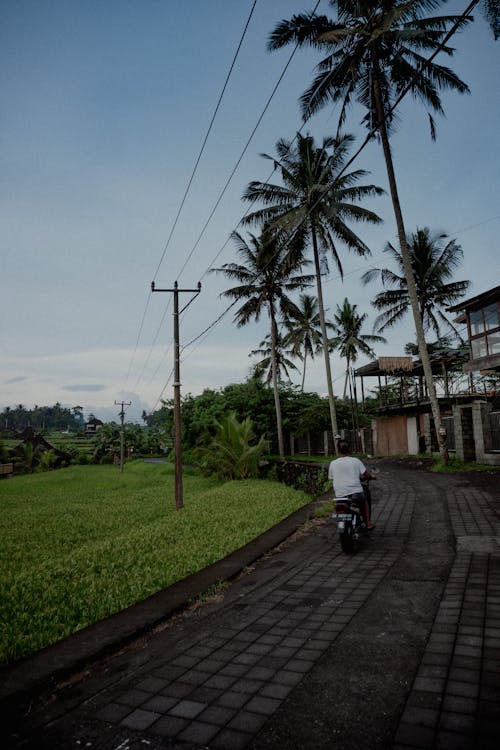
(342,507)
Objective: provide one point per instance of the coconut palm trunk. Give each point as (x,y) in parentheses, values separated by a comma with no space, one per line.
(412,290)
(304,372)
(324,336)
(348,364)
(274,369)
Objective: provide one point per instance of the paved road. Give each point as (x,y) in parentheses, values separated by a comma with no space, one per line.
(397,646)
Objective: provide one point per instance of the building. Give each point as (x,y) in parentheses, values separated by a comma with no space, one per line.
(93,425)
(402,423)
(482,316)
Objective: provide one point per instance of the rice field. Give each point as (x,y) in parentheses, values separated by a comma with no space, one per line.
(78,544)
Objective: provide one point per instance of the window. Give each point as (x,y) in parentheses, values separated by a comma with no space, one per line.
(484,331)
(478,347)
(476,322)
(491,317)
(493,341)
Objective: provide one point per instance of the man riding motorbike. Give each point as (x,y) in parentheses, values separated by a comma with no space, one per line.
(346,473)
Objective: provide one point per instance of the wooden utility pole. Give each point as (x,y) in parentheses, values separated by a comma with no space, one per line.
(123,404)
(177,386)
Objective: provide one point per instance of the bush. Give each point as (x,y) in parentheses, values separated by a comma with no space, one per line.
(81,458)
(47,461)
(230,455)
(4,455)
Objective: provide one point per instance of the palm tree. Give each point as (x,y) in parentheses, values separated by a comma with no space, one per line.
(491,10)
(349,340)
(313,206)
(433,261)
(375,52)
(264,368)
(304,331)
(232,453)
(266,275)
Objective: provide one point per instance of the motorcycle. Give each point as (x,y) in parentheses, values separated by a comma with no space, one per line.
(350,518)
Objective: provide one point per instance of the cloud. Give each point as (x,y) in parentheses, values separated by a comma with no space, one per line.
(19,379)
(88,388)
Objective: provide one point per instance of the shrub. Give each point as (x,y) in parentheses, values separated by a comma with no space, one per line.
(229,455)
(47,461)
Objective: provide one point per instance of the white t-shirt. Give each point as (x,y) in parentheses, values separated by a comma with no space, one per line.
(345,473)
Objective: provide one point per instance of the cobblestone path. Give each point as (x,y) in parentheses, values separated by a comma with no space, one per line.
(227,676)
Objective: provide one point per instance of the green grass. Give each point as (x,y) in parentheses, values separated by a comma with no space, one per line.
(84,542)
(456,464)
(325,509)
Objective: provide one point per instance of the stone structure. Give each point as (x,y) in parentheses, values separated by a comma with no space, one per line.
(473,434)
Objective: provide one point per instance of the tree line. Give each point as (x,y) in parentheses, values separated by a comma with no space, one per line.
(41,418)
(302,412)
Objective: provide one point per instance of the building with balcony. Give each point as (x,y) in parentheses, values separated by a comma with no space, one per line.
(482,316)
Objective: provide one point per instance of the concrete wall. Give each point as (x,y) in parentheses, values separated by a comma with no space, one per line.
(473,433)
(412,435)
(399,435)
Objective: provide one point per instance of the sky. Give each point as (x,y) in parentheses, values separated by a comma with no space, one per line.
(105,105)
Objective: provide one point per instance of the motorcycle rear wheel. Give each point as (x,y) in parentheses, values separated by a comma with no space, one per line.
(347,542)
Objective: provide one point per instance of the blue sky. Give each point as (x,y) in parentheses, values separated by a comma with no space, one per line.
(104,106)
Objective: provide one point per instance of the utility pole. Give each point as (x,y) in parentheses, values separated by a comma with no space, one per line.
(177,385)
(123,404)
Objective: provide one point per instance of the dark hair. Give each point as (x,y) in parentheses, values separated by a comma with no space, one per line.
(343,447)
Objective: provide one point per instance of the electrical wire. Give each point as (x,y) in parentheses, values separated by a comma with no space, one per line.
(367,139)
(188,187)
(229,179)
(245,148)
(137,342)
(186,192)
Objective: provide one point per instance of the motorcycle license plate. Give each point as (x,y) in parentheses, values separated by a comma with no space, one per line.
(342,516)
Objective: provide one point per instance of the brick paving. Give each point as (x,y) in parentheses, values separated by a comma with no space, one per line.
(216,680)
(220,690)
(454,702)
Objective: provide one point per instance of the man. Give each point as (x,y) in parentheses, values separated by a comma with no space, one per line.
(346,473)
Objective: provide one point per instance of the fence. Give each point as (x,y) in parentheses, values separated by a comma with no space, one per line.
(321,443)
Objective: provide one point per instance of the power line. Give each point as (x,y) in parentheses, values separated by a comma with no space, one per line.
(233,172)
(146,361)
(330,277)
(238,162)
(245,148)
(137,342)
(188,187)
(368,138)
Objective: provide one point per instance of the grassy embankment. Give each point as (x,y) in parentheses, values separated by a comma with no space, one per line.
(79,544)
